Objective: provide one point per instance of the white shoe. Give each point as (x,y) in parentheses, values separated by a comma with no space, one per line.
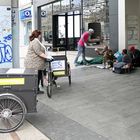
(58,86)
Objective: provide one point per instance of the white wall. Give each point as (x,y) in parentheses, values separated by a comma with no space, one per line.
(24,2)
(121,23)
(6,29)
(129,13)
(6,36)
(5,2)
(132,7)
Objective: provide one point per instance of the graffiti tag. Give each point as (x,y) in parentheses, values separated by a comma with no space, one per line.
(5,53)
(7,38)
(5,49)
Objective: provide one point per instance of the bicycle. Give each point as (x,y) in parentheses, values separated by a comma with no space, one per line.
(58,67)
(50,78)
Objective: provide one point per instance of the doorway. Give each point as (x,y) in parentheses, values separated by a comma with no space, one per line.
(66,30)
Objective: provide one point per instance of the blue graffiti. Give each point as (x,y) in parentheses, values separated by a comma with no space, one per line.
(5,53)
(7,38)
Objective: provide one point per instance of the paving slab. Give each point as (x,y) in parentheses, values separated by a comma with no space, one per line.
(58,127)
(100,100)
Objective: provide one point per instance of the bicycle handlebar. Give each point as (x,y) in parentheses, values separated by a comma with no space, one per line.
(49,60)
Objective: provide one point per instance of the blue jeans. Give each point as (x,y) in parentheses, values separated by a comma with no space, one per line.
(81,51)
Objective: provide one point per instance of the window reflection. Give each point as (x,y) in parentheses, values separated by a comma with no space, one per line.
(75,4)
(77,25)
(96,12)
(70,26)
(56,7)
(61,27)
(89,2)
(65,5)
(46,23)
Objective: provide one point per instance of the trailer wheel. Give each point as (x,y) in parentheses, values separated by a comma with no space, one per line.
(12,112)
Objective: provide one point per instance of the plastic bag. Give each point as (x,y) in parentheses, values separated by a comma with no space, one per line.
(118,56)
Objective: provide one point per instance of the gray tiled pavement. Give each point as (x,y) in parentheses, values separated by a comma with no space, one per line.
(99,102)
(58,127)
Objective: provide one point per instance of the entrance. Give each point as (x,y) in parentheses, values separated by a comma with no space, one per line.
(66,30)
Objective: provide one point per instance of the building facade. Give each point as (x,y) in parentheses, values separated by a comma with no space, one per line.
(129,23)
(9,36)
(25,17)
(118,19)
(26,26)
(62,22)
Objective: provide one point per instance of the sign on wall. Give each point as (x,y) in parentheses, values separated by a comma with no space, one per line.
(5,37)
(25,14)
(133,30)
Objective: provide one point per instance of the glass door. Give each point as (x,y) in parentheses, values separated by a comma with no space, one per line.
(74,27)
(59,31)
(66,30)
(62,30)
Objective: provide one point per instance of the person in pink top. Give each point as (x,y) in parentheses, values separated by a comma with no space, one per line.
(82,44)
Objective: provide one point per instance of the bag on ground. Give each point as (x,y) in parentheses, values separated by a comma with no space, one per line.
(117,68)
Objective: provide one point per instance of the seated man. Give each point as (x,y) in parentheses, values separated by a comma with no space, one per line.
(108,56)
(135,55)
(124,65)
(126,59)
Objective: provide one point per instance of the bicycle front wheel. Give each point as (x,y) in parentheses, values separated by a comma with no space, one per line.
(69,73)
(49,86)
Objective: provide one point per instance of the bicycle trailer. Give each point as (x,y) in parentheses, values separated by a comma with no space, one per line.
(18,91)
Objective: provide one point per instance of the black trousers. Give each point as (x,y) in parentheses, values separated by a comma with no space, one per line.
(136,62)
(40,76)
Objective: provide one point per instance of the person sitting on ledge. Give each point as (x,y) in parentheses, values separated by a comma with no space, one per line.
(108,56)
(125,64)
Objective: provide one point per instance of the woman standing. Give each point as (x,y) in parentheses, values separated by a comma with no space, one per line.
(36,55)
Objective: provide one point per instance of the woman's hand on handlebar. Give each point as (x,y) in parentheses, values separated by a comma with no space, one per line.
(49,58)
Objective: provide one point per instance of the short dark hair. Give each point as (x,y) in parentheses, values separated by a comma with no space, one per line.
(34,34)
(124,51)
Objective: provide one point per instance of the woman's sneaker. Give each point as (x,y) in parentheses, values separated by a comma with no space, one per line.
(76,64)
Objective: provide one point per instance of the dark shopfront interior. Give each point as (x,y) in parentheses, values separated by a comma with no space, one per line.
(66,30)
(63,22)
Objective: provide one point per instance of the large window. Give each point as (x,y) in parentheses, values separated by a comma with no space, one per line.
(61,27)
(46,23)
(56,7)
(28,29)
(75,4)
(77,25)
(65,5)
(96,13)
